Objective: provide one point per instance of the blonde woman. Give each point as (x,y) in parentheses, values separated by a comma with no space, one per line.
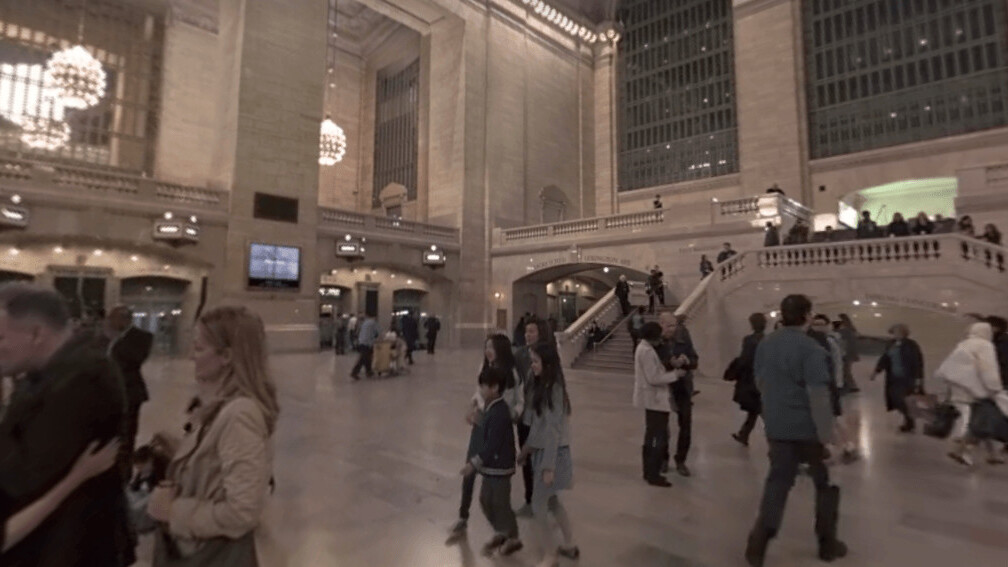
(219,476)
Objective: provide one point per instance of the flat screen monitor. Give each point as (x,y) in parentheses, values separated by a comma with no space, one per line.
(274,267)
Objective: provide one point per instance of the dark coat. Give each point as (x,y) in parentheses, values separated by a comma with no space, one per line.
(56,412)
(433,326)
(622,290)
(923,228)
(897,388)
(746,393)
(724,255)
(867,229)
(496,456)
(410,330)
(129,354)
(681,344)
(771,237)
(1001,348)
(899,228)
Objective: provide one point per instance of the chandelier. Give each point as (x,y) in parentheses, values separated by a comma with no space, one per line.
(73,76)
(332,143)
(44,133)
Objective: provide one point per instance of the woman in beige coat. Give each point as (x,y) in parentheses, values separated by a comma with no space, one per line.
(220,473)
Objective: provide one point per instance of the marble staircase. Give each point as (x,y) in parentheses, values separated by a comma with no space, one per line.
(615,355)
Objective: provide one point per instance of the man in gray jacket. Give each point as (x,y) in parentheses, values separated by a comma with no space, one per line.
(793,378)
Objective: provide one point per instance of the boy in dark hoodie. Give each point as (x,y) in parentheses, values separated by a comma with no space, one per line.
(496,462)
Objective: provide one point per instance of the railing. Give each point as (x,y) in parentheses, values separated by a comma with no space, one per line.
(916,250)
(31,175)
(749,209)
(571,341)
(351,221)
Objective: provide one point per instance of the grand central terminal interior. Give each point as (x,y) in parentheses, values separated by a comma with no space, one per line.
(381,187)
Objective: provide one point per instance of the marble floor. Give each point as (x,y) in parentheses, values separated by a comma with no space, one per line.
(367,475)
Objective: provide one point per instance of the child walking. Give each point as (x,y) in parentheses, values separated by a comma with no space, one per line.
(496,354)
(548,446)
(496,463)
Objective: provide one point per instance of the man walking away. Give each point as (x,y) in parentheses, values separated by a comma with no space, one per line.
(410,334)
(129,349)
(622,292)
(69,395)
(793,378)
(433,326)
(365,346)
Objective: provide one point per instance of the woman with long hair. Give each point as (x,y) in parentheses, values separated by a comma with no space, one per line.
(537,331)
(496,354)
(548,448)
(219,476)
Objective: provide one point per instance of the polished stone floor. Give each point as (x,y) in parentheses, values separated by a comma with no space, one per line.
(367,475)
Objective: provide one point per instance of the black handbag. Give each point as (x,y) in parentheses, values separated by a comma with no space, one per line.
(732,373)
(941,421)
(987,421)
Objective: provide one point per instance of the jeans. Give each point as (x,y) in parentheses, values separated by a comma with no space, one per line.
(682,395)
(785,456)
(364,360)
(527,475)
(656,433)
(495,500)
(748,425)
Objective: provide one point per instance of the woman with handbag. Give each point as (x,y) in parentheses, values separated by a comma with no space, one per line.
(219,477)
(903,364)
(972,375)
(746,394)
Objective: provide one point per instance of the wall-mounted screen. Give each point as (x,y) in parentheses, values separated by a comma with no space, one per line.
(273,266)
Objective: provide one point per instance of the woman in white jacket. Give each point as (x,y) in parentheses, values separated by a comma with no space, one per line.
(972,374)
(652,392)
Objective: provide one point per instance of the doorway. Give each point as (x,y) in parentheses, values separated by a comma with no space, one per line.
(84,294)
(156,302)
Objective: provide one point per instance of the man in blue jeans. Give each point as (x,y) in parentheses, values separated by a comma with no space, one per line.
(793,378)
(366,337)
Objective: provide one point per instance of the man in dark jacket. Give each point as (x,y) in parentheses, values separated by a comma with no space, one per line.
(1000,327)
(771,237)
(68,395)
(725,253)
(129,348)
(410,333)
(793,378)
(676,352)
(622,292)
(903,365)
(433,326)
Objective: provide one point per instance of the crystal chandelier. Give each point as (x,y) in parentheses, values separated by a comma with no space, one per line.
(332,143)
(73,76)
(44,133)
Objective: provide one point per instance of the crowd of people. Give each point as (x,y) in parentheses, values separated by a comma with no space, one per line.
(521,394)
(360,332)
(801,233)
(74,492)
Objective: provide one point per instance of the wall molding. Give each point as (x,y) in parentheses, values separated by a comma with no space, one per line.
(746,8)
(950,144)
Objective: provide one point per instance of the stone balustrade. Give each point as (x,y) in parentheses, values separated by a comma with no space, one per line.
(371,226)
(751,209)
(572,340)
(101,184)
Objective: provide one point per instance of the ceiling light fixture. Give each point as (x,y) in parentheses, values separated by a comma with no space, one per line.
(73,75)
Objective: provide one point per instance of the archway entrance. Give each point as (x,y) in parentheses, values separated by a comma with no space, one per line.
(563,293)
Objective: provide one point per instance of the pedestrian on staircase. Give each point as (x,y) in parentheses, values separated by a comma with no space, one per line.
(652,383)
(677,353)
(622,292)
(636,324)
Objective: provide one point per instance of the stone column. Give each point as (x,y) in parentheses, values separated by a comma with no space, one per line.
(770,93)
(279,68)
(605,130)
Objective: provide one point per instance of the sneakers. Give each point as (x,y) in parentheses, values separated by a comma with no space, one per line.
(683,470)
(962,458)
(571,552)
(456,532)
(524,512)
(830,550)
(491,546)
(659,481)
(510,546)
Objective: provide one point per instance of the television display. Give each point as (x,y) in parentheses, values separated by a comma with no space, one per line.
(273,266)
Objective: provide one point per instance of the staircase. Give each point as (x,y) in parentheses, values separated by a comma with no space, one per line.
(615,355)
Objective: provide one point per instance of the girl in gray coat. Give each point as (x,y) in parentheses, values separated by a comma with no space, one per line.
(548,447)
